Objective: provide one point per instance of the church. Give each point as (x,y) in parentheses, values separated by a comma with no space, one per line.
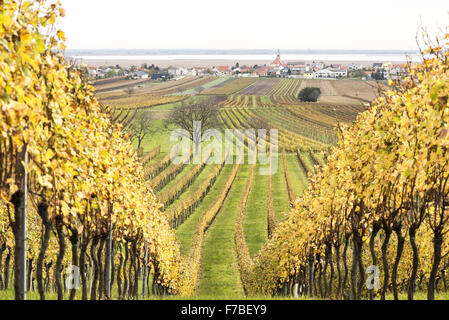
(277,63)
(277,67)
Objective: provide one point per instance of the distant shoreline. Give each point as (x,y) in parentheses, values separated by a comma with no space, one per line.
(229,57)
(188,63)
(161,52)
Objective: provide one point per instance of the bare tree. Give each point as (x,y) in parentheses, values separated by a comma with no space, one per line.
(129,91)
(140,128)
(199,89)
(204,111)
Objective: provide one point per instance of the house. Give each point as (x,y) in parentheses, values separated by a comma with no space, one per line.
(296,71)
(284,73)
(308,75)
(317,65)
(296,64)
(172,71)
(139,75)
(236,70)
(354,66)
(92,72)
(335,66)
(397,71)
(340,73)
(377,65)
(181,71)
(200,71)
(101,73)
(261,72)
(221,70)
(271,72)
(326,73)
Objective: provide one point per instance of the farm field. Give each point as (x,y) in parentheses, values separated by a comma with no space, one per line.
(215,83)
(119,83)
(139,101)
(365,91)
(232,87)
(146,93)
(227,80)
(306,132)
(287,87)
(341,92)
(261,87)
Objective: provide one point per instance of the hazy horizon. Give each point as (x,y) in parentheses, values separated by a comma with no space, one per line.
(196,24)
(255,50)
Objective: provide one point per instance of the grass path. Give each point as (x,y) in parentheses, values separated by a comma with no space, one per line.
(186,169)
(255,221)
(305,156)
(186,230)
(156,159)
(279,191)
(220,274)
(297,176)
(159,136)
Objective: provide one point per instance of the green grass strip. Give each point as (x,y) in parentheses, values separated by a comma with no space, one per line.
(255,221)
(220,273)
(279,191)
(186,230)
(297,176)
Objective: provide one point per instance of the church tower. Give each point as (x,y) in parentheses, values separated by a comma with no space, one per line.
(277,62)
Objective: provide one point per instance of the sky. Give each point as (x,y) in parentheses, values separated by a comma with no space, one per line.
(249,24)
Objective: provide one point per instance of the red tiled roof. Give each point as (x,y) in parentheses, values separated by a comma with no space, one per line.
(261,70)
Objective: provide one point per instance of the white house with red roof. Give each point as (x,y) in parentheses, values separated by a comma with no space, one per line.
(396,71)
(92,71)
(221,70)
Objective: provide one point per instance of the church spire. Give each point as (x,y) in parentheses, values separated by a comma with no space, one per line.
(277,62)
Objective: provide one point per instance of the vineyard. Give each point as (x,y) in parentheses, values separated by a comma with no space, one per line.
(223,214)
(287,87)
(231,87)
(352,189)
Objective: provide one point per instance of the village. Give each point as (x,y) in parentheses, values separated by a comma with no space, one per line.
(278,68)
